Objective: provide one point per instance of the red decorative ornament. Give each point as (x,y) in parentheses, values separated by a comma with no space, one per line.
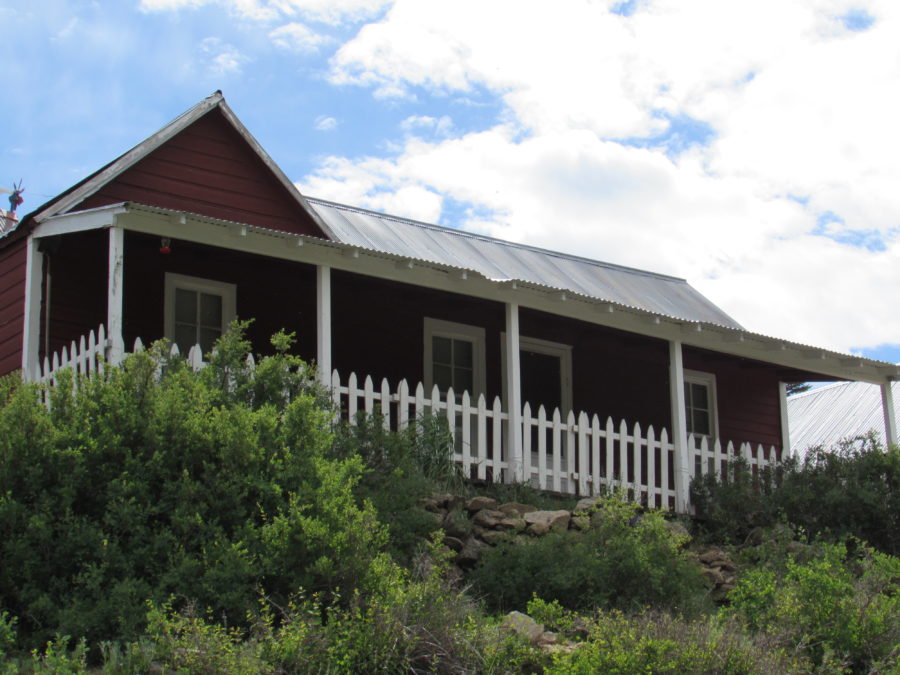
(165,247)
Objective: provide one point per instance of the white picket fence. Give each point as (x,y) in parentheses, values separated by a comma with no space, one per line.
(577,454)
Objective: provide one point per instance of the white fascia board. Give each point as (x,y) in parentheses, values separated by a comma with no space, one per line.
(315,251)
(79,221)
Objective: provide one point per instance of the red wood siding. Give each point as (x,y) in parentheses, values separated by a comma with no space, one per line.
(378,327)
(209,169)
(12,304)
(614,373)
(275,293)
(747,393)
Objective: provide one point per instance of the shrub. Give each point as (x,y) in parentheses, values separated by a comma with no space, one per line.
(851,490)
(842,611)
(626,560)
(153,481)
(661,643)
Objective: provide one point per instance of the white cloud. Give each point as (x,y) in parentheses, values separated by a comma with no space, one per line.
(224,59)
(324,123)
(324,11)
(802,111)
(297,37)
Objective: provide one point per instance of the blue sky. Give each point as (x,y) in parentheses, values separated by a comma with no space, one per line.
(748,147)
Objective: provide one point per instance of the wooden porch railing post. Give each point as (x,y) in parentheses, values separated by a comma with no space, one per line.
(323,323)
(31,340)
(513,394)
(679,428)
(115,295)
(890,417)
(785,426)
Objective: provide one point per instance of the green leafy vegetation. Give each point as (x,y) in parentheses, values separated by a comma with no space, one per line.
(627,560)
(158,519)
(849,490)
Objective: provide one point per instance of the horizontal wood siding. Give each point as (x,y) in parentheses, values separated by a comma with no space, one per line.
(209,169)
(12,304)
(747,394)
(615,373)
(276,294)
(379,328)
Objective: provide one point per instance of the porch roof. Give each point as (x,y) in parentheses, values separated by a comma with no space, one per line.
(500,260)
(799,361)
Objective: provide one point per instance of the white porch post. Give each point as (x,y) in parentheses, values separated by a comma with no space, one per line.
(323,323)
(115,295)
(890,418)
(785,427)
(514,393)
(31,334)
(679,427)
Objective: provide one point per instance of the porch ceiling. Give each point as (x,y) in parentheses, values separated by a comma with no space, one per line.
(467,281)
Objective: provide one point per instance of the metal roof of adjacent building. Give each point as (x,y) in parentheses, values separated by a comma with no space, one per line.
(830,414)
(503,260)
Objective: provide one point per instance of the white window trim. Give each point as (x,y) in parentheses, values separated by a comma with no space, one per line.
(228,293)
(558,349)
(458,331)
(708,379)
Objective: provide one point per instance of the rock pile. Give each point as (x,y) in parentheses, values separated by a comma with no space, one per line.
(472,525)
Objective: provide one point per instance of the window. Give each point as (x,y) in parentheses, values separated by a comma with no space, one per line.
(545,369)
(700,404)
(454,357)
(197,311)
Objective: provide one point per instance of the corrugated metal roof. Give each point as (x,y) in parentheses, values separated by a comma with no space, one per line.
(826,415)
(502,260)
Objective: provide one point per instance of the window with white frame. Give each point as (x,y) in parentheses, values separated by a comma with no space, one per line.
(197,311)
(700,404)
(454,357)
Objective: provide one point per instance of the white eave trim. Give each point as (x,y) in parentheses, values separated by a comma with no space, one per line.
(316,251)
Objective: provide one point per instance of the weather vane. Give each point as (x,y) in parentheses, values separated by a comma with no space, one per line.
(15,196)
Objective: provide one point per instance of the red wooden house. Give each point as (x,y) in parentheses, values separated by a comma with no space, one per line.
(197,225)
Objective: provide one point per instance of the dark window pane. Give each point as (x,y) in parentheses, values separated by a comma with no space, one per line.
(441,348)
(443,377)
(185,306)
(185,337)
(462,380)
(208,337)
(699,398)
(462,353)
(701,422)
(211,310)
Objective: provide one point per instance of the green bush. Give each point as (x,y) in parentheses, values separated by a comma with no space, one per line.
(662,643)
(840,610)
(851,490)
(152,481)
(626,560)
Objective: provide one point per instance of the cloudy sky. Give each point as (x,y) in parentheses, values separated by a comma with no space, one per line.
(751,147)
